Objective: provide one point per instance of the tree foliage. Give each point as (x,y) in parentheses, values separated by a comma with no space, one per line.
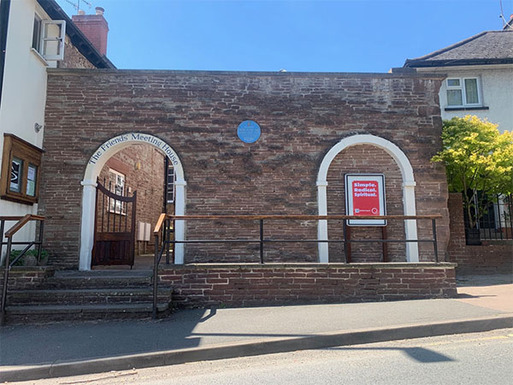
(478,160)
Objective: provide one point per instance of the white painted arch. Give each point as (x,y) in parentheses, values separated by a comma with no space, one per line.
(412,250)
(93,169)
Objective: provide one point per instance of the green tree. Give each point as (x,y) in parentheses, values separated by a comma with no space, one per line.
(478,160)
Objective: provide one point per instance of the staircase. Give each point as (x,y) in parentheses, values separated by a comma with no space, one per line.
(89,295)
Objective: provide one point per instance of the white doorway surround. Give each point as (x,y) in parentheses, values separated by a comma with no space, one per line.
(408,186)
(93,169)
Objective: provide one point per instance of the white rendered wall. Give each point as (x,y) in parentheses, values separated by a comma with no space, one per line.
(496,93)
(23,94)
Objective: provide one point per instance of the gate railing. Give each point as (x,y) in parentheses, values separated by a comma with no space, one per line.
(21,222)
(163,240)
(495,220)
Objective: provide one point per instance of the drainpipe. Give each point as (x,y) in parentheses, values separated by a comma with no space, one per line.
(5,6)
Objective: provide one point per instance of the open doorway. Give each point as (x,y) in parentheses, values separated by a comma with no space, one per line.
(134,162)
(134,187)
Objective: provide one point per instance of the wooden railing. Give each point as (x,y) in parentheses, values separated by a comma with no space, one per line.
(21,222)
(163,239)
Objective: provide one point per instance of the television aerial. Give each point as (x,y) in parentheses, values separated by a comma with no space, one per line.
(76,4)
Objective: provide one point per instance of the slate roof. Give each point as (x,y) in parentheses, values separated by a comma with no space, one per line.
(490,47)
(77,37)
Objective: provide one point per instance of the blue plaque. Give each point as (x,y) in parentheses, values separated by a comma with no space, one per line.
(248,131)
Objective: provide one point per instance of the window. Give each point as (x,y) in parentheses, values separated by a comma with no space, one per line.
(48,38)
(117,186)
(20,170)
(170,183)
(463,92)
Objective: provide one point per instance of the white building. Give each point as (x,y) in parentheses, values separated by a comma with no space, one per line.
(479,76)
(34,35)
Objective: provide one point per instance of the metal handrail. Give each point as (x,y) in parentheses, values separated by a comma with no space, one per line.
(165,218)
(21,222)
(163,227)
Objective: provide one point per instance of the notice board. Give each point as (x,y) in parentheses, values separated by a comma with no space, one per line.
(365,196)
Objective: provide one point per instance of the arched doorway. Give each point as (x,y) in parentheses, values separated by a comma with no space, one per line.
(408,190)
(94,166)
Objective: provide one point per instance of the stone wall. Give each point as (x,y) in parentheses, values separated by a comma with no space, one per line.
(489,257)
(277,284)
(302,116)
(73,58)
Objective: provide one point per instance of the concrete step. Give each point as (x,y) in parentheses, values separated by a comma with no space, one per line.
(87,296)
(16,314)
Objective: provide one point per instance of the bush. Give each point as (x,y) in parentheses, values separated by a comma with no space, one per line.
(29,259)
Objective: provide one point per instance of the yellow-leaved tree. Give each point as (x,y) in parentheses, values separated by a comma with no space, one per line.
(479,162)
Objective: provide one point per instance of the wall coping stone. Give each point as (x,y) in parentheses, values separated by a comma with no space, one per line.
(130,72)
(28,269)
(319,266)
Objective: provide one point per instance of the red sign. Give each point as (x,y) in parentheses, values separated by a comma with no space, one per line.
(365,197)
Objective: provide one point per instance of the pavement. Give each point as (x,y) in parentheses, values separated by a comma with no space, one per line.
(29,352)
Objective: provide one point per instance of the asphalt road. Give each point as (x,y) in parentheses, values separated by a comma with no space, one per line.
(469,359)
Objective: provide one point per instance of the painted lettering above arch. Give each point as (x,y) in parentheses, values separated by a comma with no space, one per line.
(134,137)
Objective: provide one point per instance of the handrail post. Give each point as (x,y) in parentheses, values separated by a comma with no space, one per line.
(262,241)
(155,276)
(435,243)
(6,278)
(2,226)
(167,235)
(40,241)
(346,243)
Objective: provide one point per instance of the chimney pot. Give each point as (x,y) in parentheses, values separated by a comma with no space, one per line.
(81,12)
(99,10)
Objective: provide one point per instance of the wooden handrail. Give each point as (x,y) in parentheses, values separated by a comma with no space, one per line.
(298,217)
(160,221)
(10,218)
(22,222)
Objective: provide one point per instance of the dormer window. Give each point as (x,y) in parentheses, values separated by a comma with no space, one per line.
(48,38)
(463,92)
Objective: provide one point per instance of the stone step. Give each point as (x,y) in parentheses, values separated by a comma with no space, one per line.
(98,279)
(50,313)
(87,296)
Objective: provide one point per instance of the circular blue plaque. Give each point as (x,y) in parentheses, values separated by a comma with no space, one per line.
(248,131)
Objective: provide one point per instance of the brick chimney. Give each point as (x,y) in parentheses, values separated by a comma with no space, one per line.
(95,27)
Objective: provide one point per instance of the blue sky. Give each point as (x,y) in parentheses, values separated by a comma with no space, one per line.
(300,35)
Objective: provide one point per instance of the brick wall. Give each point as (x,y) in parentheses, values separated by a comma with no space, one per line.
(302,116)
(489,257)
(275,284)
(21,278)
(356,160)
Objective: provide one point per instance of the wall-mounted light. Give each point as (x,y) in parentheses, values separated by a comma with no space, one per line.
(137,165)
(38,127)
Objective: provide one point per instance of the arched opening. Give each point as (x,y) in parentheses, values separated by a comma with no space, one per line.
(408,189)
(104,161)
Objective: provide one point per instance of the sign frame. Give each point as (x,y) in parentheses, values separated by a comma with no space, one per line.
(377,180)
